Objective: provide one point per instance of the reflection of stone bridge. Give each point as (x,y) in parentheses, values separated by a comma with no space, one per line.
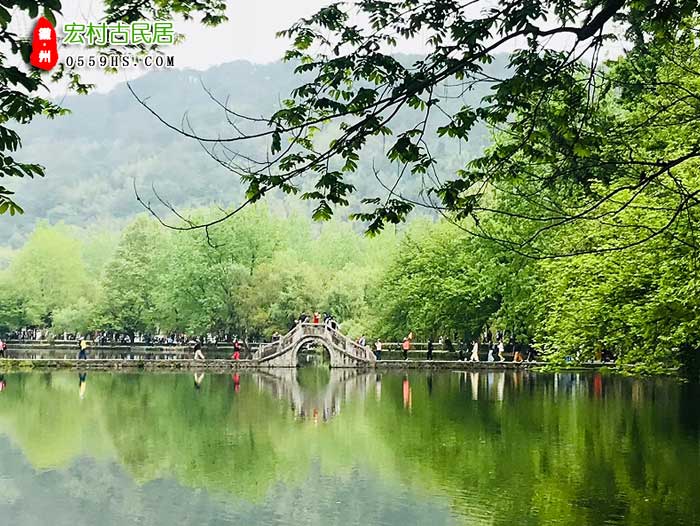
(322,404)
(342,350)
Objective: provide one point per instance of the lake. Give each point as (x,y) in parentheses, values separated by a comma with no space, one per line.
(315,446)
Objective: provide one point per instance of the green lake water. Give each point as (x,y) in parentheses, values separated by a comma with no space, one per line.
(320,447)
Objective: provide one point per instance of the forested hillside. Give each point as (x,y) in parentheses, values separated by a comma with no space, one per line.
(94,155)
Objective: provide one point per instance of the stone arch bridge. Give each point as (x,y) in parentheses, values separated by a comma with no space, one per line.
(343,351)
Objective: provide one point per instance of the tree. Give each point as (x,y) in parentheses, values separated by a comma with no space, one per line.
(202,280)
(131,279)
(20,86)
(13,314)
(78,317)
(548,104)
(48,273)
(639,303)
(442,282)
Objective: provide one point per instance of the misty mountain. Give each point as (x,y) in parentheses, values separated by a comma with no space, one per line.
(110,143)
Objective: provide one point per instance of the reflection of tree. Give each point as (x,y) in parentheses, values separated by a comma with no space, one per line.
(527,450)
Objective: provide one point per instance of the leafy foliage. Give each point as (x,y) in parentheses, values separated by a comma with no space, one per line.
(565,126)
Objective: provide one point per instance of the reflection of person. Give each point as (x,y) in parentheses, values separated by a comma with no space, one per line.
(198,377)
(82,385)
(3,383)
(236,382)
(407,402)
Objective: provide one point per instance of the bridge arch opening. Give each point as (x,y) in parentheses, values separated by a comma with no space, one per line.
(313,353)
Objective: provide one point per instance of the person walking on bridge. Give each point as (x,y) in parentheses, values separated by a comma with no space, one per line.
(501,358)
(462,346)
(378,349)
(82,353)
(430,349)
(198,355)
(406,346)
(475,351)
(517,355)
(237,348)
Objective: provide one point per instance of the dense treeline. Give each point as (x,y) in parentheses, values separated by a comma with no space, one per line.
(433,279)
(588,240)
(641,304)
(251,276)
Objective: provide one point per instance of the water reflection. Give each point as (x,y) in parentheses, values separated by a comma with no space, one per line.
(323,392)
(407,398)
(314,398)
(469,447)
(82,385)
(493,386)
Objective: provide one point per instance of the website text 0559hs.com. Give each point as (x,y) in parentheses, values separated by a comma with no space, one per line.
(119,61)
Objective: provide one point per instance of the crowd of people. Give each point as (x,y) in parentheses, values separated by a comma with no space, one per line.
(495,347)
(316,318)
(489,346)
(84,344)
(118,338)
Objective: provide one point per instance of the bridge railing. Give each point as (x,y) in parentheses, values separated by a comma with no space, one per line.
(301,330)
(276,346)
(350,346)
(265,350)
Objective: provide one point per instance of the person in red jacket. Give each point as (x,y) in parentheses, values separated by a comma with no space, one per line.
(237,348)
